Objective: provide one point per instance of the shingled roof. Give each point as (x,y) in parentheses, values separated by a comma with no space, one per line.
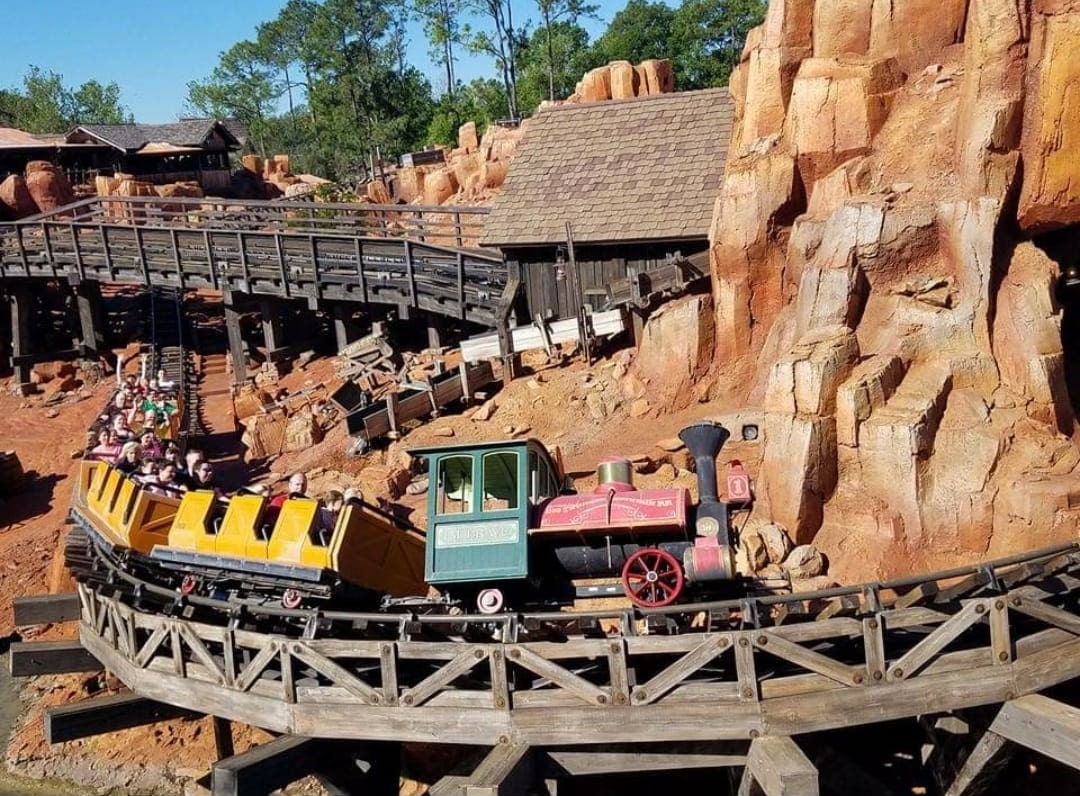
(133,137)
(632,170)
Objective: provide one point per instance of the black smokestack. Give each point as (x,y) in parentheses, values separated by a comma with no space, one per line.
(704,440)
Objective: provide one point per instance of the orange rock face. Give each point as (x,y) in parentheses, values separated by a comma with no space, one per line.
(48,186)
(439,186)
(16,198)
(1050,197)
(467,139)
(624,80)
(837,107)
(871,297)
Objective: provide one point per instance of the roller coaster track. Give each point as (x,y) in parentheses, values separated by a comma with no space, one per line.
(736,669)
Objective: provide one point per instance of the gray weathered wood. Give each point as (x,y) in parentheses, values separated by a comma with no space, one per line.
(779,766)
(33,658)
(107,714)
(46,608)
(1037,722)
(582,762)
(265,768)
(507,770)
(942,636)
(989,745)
(689,663)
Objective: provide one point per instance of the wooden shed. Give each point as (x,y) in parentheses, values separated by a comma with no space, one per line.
(192,149)
(637,181)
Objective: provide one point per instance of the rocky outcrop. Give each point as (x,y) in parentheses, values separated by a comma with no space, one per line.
(622,80)
(48,185)
(15,197)
(674,352)
(1050,197)
(872,286)
(471,173)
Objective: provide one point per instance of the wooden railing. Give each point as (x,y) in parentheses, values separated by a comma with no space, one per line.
(403,255)
(782,680)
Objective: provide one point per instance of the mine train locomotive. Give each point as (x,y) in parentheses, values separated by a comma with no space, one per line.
(502,534)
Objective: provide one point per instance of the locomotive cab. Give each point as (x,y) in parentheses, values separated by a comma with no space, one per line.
(479,504)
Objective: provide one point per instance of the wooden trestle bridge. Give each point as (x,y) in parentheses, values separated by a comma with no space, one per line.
(557,694)
(389,254)
(422,261)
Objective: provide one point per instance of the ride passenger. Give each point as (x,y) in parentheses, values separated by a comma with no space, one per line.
(121,429)
(297,489)
(128,462)
(329,510)
(151,445)
(166,483)
(147,472)
(165,384)
(108,449)
(203,478)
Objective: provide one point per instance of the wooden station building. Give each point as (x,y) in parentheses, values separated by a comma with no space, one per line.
(192,149)
(602,192)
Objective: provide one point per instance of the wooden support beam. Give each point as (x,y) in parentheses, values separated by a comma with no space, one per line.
(107,714)
(557,763)
(223,738)
(33,658)
(42,609)
(507,769)
(987,748)
(237,354)
(345,328)
(779,768)
(21,306)
(343,767)
(88,300)
(1045,725)
(265,768)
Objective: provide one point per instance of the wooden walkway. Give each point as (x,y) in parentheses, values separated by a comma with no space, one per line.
(418,257)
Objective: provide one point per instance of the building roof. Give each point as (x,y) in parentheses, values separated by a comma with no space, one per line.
(133,137)
(13,138)
(631,170)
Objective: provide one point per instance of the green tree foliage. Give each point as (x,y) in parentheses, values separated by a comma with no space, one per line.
(345,57)
(553,13)
(46,105)
(242,86)
(708,37)
(328,82)
(642,30)
(442,21)
(499,39)
(482,101)
(566,44)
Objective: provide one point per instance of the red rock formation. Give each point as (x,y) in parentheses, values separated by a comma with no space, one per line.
(872,289)
(48,185)
(16,198)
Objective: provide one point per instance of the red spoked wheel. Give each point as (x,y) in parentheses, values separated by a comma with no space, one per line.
(652,578)
(188,584)
(291,599)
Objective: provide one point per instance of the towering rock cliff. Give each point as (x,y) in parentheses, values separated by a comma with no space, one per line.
(887,248)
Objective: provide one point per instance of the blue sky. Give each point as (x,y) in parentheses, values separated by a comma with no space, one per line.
(152,50)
